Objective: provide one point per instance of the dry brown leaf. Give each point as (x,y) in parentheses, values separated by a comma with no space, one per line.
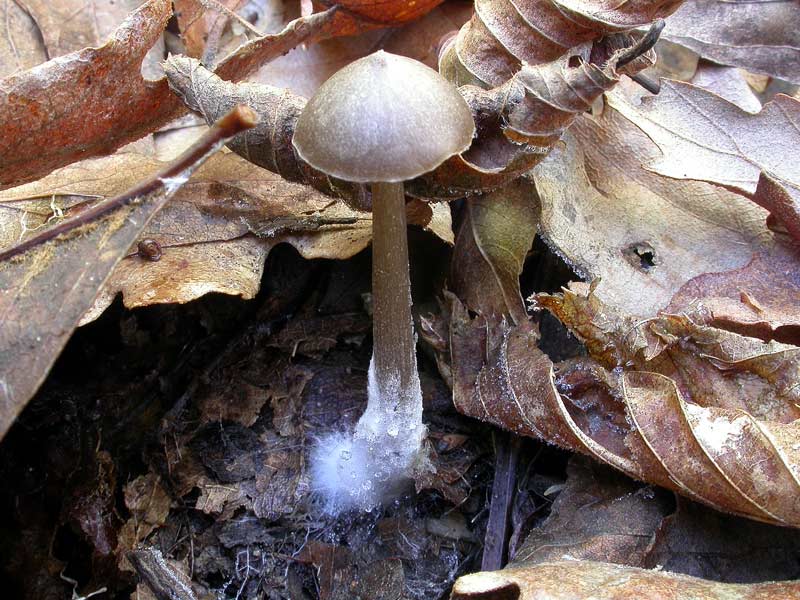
(43,112)
(390,13)
(642,235)
(598,515)
(418,39)
(568,580)
(504,35)
(21,46)
(149,504)
(201,24)
(711,367)
(696,439)
(493,240)
(728,83)
(706,138)
(72,25)
(758,300)
(759,36)
(214,235)
(46,291)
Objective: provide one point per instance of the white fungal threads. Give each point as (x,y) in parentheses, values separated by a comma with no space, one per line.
(359,470)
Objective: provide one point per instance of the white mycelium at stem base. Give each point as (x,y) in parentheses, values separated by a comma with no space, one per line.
(383,119)
(358,471)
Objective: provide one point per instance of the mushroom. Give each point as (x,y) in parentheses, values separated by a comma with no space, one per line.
(382,120)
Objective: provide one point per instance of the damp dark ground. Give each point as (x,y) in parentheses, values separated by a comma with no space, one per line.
(171,441)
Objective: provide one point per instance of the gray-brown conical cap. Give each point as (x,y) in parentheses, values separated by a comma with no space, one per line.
(383,118)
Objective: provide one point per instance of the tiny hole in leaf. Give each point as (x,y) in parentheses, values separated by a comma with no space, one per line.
(642,256)
(575,62)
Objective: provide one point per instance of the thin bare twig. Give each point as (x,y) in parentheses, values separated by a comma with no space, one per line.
(238,119)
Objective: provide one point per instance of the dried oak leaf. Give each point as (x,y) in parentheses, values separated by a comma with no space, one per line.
(46,291)
(43,111)
(493,240)
(570,579)
(149,504)
(762,37)
(642,235)
(201,24)
(418,39)
(503,36)
(729,83)
(704,137)
(21,46)
(598,515)
(686,434)
(759,299)
(719,411)
(387,13)
(214,235)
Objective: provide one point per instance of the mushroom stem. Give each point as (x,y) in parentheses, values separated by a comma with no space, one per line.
(393,354)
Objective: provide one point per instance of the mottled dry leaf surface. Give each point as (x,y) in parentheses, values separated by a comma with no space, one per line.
(706,138)
(43,110)
(706,412)
(214,234)
(72,25)
(568,580)
(760,36)
(493,239)
(600,515)
(47,290)
(642,235)
(21,46)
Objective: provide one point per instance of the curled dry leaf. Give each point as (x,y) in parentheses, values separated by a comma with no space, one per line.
(43,110)
(214,235)
(658,403)
(762,37)
(20,45)
(567,580)
(419,39)
(706,138)
(504,35)
(493,240)
(517,124)
(642,235)
(759,299)
(72,268)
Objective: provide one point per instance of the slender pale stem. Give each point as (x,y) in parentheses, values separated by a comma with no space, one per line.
(394,356)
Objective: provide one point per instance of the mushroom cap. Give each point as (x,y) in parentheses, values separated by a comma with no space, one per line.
(383,118)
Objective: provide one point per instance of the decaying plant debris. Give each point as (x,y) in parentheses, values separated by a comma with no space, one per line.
(605,290)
